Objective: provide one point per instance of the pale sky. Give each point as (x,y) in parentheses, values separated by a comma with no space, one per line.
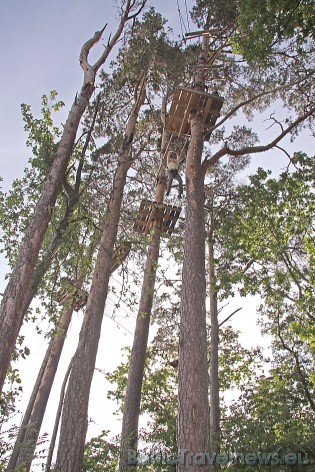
(41,41)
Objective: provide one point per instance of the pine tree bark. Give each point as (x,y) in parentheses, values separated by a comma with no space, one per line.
(130,422)
(74,419)
(11,315)
(26,440)
(214,354)
(193,406)
(57,419)
(193,403)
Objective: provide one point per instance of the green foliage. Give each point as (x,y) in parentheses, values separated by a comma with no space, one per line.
(215,14)
(272,226)
(42,134)
(100,455)
(158,398)
(150,53)
(271,416)
(267,25)
(269,245)
(17,205)
(236,363)
(258,30)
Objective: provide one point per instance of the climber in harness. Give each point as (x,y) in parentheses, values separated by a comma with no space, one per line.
(173,162)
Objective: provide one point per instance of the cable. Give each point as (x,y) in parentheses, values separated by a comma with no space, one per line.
(181,22)
(187,16)
(118,324)
(128,313)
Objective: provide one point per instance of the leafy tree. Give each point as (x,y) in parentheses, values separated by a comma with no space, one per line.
(273,240)
(282,28)
(167,68)
(271,417)
(100,454)
(18,286)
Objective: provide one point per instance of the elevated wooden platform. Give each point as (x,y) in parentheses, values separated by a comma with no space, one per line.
(80,297)
(150,212)
(185,100)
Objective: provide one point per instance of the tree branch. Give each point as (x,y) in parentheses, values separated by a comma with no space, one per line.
(124,19)
(86,48)
(260,95)
(230,316)
(86,144)
(254,149)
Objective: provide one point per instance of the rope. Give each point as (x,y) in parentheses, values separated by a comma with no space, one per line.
(162,158)
(187,16)
(181,21)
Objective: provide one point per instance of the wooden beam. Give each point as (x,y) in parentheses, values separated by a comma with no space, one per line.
(202,32)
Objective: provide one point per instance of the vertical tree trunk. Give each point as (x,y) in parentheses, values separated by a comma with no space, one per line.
(214,354)
(193,408)
(57,419)
(193,404)
(26,440)
(74,419)
(129,434)
(11,315)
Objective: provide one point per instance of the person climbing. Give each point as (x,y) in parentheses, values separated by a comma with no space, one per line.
(173,162)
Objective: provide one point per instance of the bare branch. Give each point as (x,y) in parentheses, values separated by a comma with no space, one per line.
(86,48)
(254,149)
(260,95)
(123,20)
(133,16)
(230,316)
(271,118)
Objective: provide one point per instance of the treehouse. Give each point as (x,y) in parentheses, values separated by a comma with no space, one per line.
(161,215)
(186,100)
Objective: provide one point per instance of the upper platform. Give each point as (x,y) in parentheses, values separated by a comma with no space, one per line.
(185,100)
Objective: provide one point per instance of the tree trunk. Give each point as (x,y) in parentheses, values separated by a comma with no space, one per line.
(193,407)
(29,430)
(57,419)
(193,403)
(57,237)
(26,440)
(214,354)
(74,419)
(130,422)
(11,315)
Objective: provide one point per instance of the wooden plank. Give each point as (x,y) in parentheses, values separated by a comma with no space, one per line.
(207,108)
(175,100)
(202,32)
(165,216)
(182,103)
(184,100)
(185,117)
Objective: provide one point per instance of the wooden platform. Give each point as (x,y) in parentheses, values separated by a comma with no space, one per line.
(79,298)
(185,100)
(150,212)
